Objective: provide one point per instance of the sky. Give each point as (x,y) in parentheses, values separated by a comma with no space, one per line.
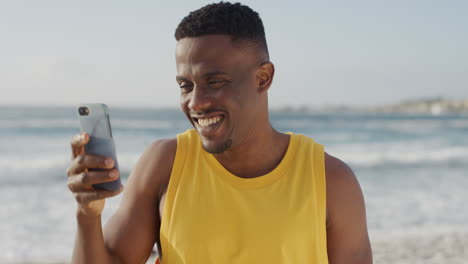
(325,52)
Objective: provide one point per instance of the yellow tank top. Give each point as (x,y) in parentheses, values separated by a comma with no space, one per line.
(213,216)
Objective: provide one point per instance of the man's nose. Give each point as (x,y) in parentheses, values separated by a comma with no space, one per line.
(200,100)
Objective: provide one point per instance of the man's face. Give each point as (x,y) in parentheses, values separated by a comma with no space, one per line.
(218,89)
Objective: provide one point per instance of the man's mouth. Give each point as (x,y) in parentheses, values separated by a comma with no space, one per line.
(208,121)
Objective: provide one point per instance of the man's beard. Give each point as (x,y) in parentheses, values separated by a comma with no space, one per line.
(220,148)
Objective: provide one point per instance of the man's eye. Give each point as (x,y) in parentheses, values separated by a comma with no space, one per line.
(185,86)
(216,83)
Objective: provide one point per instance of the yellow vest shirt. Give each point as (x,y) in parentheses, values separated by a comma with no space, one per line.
(213,216)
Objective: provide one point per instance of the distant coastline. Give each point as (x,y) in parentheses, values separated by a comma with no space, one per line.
(422,106)
(430,106)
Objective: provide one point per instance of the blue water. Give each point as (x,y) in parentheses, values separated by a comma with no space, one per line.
(413,169)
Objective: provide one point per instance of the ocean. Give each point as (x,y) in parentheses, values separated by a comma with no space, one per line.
(413,169)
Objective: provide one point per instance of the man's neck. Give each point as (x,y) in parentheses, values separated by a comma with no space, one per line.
(257,155)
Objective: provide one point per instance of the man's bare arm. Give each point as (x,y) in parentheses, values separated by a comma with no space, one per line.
(132,231)
(347,236)
(134,228)
(89,243)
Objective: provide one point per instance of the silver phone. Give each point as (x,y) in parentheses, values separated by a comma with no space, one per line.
(94,120)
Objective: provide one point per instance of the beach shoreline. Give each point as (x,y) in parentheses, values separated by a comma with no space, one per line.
(428,249)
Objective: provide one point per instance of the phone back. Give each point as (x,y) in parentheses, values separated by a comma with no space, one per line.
(94,120)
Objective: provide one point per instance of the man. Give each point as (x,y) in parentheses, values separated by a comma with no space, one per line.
(233,190)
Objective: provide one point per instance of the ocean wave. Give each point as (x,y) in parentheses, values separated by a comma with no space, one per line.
(373,125)
(404,154)
(19,170)
(49,167)
(67,123)
(142,124)
(39,123)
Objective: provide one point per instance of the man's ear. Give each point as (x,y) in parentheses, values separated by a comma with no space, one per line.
(265,73)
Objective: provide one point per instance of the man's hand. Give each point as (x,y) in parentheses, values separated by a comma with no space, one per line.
(80,179)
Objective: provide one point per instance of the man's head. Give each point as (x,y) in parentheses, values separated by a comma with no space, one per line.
(223,72)
(240,22)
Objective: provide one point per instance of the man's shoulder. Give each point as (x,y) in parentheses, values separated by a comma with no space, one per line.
(343,189)
(161,146)
(346,214)
(336,169)
(159,155)
(154,167)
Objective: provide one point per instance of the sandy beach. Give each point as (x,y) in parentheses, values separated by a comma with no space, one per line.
(449,248)
(441,249)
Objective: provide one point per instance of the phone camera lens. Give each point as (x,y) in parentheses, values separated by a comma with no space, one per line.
(83,110)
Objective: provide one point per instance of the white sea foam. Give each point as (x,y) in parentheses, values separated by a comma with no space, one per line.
(435,206)
(374,154)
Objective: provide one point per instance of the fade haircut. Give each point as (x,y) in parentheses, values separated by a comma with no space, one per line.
(238,21)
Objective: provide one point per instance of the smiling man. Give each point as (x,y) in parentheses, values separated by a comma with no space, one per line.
(233,189)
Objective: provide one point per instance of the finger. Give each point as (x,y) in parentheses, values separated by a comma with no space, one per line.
(85,180)
(78,142)
(94,195)
(87,161)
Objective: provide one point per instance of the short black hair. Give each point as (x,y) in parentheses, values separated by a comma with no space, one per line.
(224,18)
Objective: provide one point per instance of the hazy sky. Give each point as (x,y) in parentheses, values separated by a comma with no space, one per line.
(122,53)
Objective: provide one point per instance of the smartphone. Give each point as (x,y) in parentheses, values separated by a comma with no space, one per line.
(94,120)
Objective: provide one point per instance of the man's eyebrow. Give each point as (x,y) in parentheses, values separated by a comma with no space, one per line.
(209,74)
(206,75)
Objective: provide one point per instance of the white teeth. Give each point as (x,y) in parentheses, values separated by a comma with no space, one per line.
(204,122)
